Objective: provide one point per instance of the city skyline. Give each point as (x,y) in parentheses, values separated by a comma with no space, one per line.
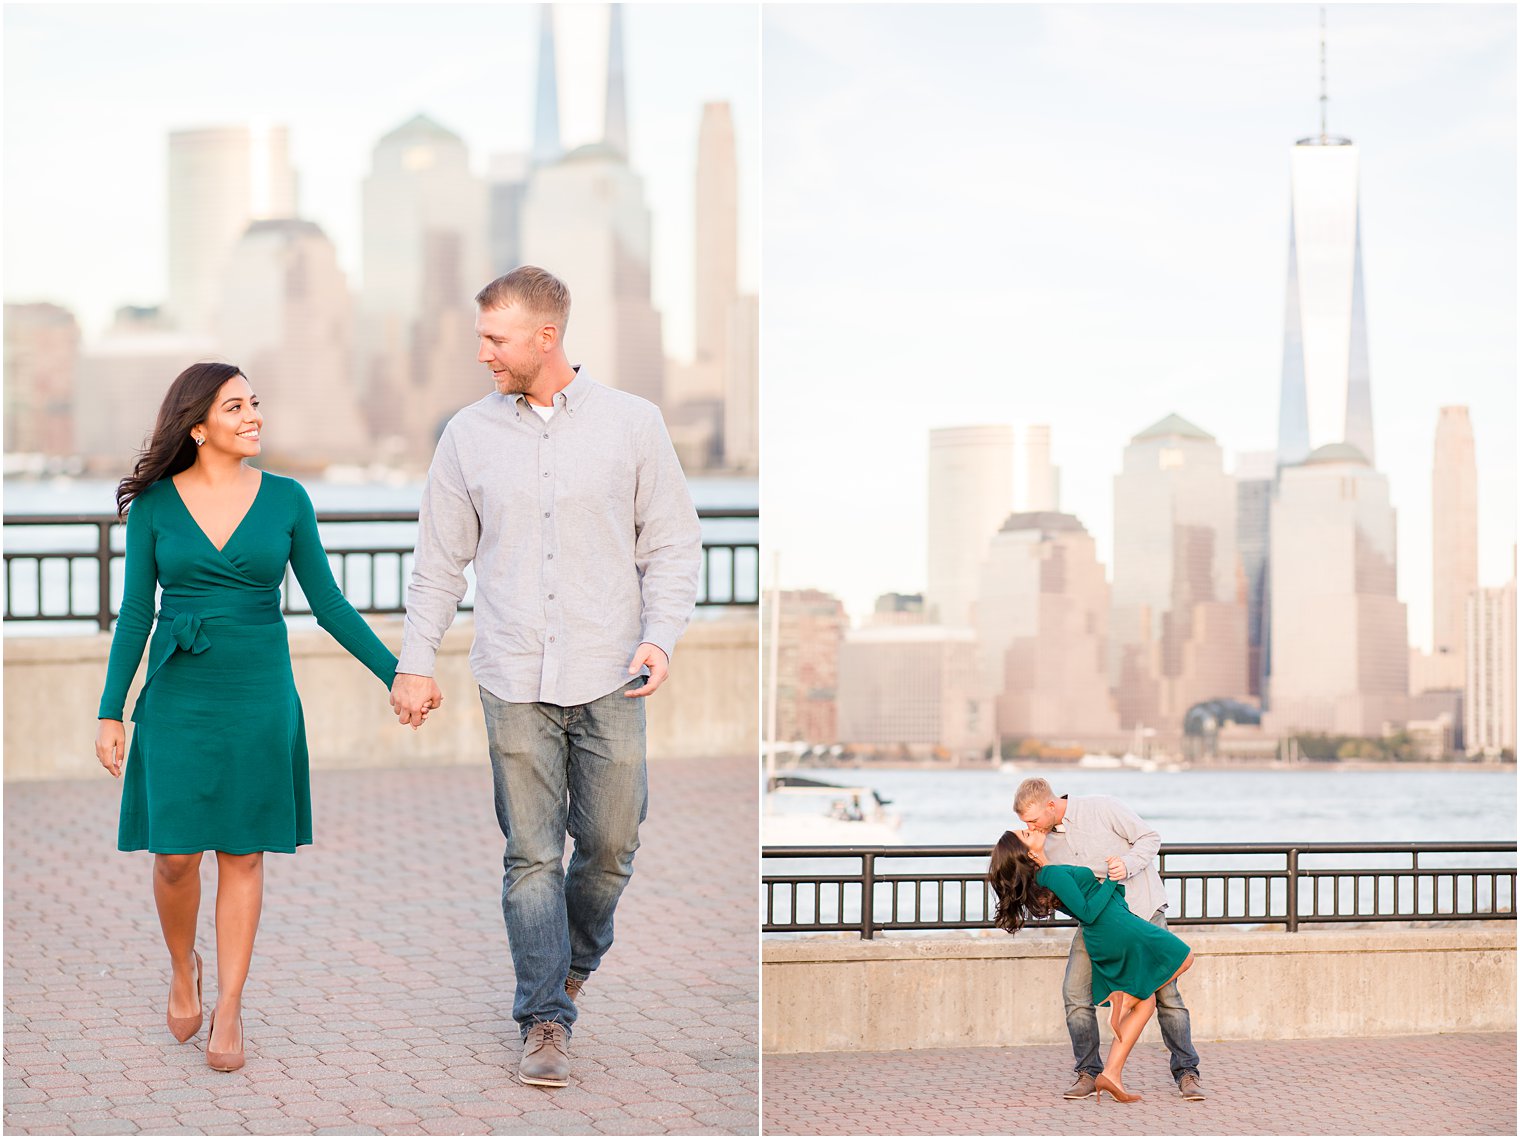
(68,244)
(1118,251)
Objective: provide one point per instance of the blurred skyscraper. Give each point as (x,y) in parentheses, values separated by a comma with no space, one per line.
(1178,629)
(1339,632)
(1255,477)
(970,494)
(508,178)
(1042,625)
(1326,392)
(585,220)
(741,396)
(287,320)
(425,256)
(1490,699)
(1042,479)
(717,238)
(41,351)
(1454,538)
(220,179)
(812,625)
(912,685)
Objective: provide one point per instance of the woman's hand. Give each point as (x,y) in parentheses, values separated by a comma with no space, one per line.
(111,746)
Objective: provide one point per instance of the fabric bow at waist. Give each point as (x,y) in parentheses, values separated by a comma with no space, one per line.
(185,623)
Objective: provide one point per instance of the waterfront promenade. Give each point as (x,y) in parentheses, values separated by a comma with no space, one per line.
(1455,1084)
(380,995)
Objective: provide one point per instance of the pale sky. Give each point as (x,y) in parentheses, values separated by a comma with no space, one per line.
(92,92)
(1078,215)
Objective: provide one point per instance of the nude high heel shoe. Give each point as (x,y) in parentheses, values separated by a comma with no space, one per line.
(184,1027)
(225,1061)
(1107,1085)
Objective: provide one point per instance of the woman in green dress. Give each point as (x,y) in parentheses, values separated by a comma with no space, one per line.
(218,755)
(1131,958)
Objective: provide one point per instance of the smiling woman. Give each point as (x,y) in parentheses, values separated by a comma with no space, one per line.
(217,535)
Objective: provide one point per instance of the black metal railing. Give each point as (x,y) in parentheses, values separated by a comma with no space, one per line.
(74,576)
(933,888)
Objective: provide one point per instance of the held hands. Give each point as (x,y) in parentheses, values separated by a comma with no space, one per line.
(1116,869)
(413,697)
(659,668)
(111,746)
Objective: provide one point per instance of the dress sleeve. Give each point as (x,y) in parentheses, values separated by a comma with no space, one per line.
(1080,894)
(308,559)
(139,590)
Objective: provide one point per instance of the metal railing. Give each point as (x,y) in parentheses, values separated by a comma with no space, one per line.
(372,574)
(934,888)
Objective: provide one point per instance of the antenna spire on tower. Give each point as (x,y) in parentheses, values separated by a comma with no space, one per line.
(1324,93)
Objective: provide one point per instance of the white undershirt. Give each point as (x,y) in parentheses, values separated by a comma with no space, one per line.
(543,412)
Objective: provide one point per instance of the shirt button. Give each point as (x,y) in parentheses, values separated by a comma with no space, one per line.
(551,557)
(551,597)
(551,640)
(546,474)
(546,514)
(546,435)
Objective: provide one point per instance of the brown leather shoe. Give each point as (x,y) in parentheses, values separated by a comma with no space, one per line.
(573,987)
(546,1055)
(1084,1088)
(1190,1088)
(225,1061)
(184,1027)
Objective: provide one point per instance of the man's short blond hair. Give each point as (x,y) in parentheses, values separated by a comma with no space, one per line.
(1031,792)
(536,290)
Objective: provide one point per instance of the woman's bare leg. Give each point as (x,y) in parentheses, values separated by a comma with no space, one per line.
(1137,1014)
(239,900)
(177,893)
(1116,1013)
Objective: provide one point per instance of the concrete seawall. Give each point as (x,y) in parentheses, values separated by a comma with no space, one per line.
(823,995)
(708,707)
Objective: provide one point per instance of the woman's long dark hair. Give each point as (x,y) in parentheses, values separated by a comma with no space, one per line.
(1011,876)
(170,449)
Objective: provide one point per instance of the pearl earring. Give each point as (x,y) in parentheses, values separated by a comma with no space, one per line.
(199,440)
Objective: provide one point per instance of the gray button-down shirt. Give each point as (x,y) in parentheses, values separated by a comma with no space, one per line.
(1096,828)
(583,535)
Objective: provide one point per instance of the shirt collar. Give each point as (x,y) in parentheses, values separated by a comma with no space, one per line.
(571,396)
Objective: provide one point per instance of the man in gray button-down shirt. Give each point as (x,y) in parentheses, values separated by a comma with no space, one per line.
(1101,833)
(568,498)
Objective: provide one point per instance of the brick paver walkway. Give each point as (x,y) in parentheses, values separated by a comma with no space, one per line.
(1406,1085)
(380,995)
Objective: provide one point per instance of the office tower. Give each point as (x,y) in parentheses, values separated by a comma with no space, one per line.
(970,494)
(811,628)
(287,320)
(717,236)
(220,179)
(1454,541)
(898,609)
(120,381)
(1042,624)
(741,397)
(546,139)
(1178,625)
(585,220)
(1326,394)
(1255,476)
(507,180)
(1339,632)
(1490,698)
(425,256)
(1042,479)
(41,350)
(915,687)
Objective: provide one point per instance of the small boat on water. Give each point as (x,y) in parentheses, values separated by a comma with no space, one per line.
(800,811)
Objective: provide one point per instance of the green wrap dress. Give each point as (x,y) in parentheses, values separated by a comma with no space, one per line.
(1129,954)
(218,753)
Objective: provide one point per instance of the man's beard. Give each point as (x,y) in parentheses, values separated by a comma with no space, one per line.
(518,383)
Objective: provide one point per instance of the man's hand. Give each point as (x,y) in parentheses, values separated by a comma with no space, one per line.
(413,697)
(1116,869)
(111,746)
(659,668)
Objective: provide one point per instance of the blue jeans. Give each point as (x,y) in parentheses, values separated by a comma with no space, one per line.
(1082,1019)
(577,771)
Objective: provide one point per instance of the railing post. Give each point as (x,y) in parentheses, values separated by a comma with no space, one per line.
(103,558)
(867,895)
(1293,890)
